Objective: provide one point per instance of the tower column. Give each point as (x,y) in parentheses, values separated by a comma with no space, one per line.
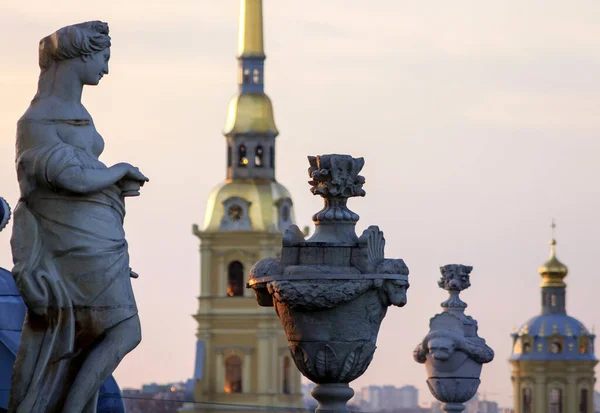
(247,373)
(219,372)
(221,275)
(249,263)
(571,404)
(202,369)
(205,268)
(262,352)
(540,400)
(516,390)
(274,385)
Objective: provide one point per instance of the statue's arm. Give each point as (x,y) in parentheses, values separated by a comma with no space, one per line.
(62,168)
(82,180)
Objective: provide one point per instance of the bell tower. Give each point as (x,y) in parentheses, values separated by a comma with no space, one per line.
(553,356)
(242,358)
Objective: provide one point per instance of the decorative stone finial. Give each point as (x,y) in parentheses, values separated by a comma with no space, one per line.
(332,291)
(336,178)
(455,278)
(452,352)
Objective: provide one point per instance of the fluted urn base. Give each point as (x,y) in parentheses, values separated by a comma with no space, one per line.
(453,407)
(332,397)
(453,391)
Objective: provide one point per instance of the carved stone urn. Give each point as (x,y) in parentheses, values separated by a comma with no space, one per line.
(452,352)
(332,291)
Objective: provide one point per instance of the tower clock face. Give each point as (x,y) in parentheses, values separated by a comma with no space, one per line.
(235,212)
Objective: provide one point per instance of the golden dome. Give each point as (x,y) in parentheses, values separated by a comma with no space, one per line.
(263,197)
(553,271)
(250,113)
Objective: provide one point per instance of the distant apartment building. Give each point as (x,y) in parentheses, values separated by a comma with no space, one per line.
(484,406)
(408,397)
(387,398)
(155,398)
(473,406)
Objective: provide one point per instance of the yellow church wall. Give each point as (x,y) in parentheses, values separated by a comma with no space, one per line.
(543,376)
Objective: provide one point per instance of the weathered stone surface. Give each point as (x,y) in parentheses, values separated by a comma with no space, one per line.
(332,291)
(452,352)
(71,262)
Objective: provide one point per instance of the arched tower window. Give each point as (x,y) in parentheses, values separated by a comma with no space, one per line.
(556,401)
(526,400)
(583,345)
(258,156)
(235,279)
(286,376)
(233,375)
(256,76)
(242,155)
(526,344)
(556,346)
(583,401)
(229,155)
(246,77)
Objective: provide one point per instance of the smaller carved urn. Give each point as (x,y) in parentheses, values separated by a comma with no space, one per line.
(332,291)
(452,352)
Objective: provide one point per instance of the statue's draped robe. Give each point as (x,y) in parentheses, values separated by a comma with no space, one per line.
(71,262)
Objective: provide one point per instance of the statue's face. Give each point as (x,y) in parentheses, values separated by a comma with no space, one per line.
(95,66)
(441,348)
(397,294)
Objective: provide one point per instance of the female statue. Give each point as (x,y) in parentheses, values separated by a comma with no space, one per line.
(70,255)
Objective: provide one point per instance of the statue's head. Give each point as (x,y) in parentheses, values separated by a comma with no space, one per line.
(84,47)
(441,347)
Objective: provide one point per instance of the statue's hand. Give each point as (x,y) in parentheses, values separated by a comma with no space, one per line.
(134,174)
(132,180)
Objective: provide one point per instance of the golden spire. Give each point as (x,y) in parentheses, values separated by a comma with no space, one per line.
(553,271)
(250,41)
(250,110)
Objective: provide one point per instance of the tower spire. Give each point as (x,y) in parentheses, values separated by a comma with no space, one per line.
(250,43)
(553,287)
(553,240)
(250,127)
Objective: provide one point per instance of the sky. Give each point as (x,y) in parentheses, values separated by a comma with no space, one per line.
(479,122)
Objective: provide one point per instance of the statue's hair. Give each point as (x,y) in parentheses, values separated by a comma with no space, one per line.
(78,40)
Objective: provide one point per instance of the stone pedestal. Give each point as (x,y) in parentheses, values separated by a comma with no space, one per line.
(332,291)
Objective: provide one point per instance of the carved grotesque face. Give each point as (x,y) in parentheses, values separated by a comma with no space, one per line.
(455,277)
(397,293)
(95,66)
(393,292)
(441,348)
